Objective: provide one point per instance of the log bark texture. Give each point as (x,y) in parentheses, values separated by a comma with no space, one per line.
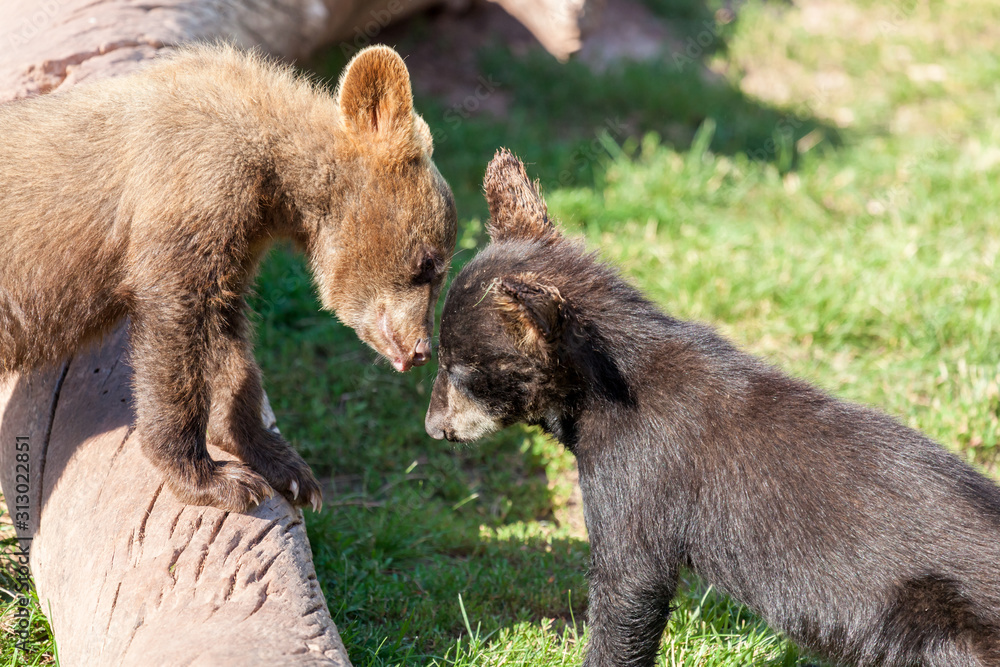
(126,573)
(47,44)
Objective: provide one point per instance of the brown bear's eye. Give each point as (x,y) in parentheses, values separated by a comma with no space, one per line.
(425,270)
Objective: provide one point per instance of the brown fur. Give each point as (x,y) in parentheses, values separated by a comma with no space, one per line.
(154,196)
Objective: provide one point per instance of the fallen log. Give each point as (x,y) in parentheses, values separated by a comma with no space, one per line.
(127,573)
(55,43)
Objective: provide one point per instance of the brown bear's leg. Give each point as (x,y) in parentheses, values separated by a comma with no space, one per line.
(170,355)
(235,424)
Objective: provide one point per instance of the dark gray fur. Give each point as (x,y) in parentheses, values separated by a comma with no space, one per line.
(857,537)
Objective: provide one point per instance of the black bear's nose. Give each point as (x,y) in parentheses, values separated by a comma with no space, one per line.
(433,426)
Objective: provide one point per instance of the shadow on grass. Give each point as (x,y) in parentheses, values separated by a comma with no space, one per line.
(401,590)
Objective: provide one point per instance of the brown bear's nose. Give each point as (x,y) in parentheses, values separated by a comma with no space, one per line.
(421,355)
(422,352)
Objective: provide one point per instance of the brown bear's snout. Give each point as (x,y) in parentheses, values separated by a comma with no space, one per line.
(422,352)
(418,356)
(402,353)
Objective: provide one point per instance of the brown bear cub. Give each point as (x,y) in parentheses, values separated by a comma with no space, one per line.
(154,196)
(855,536)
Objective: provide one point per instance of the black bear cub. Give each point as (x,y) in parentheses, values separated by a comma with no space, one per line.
(857,537)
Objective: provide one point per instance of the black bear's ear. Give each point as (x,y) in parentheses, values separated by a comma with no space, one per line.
(374,94)
(533,313)
(517,211)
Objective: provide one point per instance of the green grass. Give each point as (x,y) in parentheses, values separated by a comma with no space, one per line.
(21,646)
(839,219)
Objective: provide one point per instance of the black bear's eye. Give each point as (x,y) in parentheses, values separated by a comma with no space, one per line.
(460,377)
(425,270)
(458,374)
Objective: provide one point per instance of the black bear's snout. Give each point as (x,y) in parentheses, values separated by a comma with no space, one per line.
(433,426)
(436,420)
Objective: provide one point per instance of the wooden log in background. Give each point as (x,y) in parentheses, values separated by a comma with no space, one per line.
(127,574)
(46,44)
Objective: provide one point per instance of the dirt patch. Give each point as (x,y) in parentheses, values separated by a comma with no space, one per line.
(570,514)
(627,30)
(441,48)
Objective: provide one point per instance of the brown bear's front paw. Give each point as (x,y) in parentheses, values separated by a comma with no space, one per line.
(297,483)
(277,462)
(230,486)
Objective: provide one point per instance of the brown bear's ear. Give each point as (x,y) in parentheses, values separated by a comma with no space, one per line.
(517,211)
(374,93)
(533,313)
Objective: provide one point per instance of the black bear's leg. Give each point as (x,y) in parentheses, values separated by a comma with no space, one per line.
(629,609)
(634,568)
